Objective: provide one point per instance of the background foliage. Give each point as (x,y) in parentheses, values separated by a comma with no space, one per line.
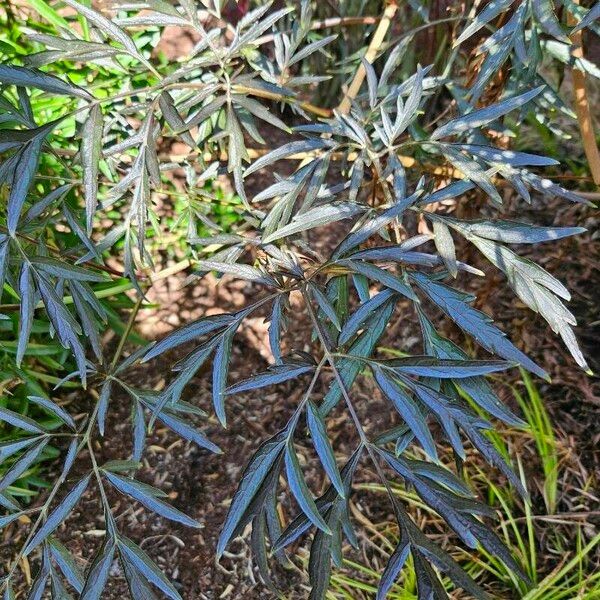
(90,113)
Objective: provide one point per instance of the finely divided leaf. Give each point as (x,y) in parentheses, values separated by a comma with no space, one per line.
(66,564)
(64,270)
(393,568)
(106,26)
(99,571)
(477,324)
(22,464)
(276,374)
(491,11)
(188,332)
(426,366)
(146,566)
(53,408)
(592,15)
(512,232)
(252,478)
(315,217)
(408,409)
(27,160)
(20,421)
(285,151)
(28,297)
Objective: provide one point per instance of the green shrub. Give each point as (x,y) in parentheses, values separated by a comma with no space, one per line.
(370,171)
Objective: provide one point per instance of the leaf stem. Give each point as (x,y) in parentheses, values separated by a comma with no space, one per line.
(292,422)
(398,510)
(126,333)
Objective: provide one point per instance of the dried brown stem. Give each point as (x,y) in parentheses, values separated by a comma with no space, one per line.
(370,56)
(582,105)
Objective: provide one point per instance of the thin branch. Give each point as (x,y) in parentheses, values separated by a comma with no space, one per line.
(128,328)
(371,54)
(398,510)
(582,105)
(326,24)
(307,106)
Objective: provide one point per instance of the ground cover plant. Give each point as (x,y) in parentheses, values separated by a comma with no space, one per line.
(84,159)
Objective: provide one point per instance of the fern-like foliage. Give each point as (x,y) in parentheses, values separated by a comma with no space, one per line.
(368,177)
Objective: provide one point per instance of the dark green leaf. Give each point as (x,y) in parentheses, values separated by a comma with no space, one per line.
(91,154)
(484,116)
(219,374)
(58,516)
(408,410)
(354,323)
(490,11)
(106,26)
(318,431)
(393,568)
(315,217)
(184,429)
(546,17)
(22,464)
(147,496)
(426,366)
(255,473)
(20,421)
(97,575)
(53,408)
(300,489)
(276,374)
(22,76)
(64,270)
(592,15)
(66,564)
(189,332)
(28,298)
(384,277)
(146,566)
(26,165)
(286,150)
(456,305)
(326,306)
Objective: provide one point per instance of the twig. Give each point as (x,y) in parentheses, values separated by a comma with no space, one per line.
(325,24)
(370,56)
(254,153)
(582,106)
(307,106)
(128,328)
